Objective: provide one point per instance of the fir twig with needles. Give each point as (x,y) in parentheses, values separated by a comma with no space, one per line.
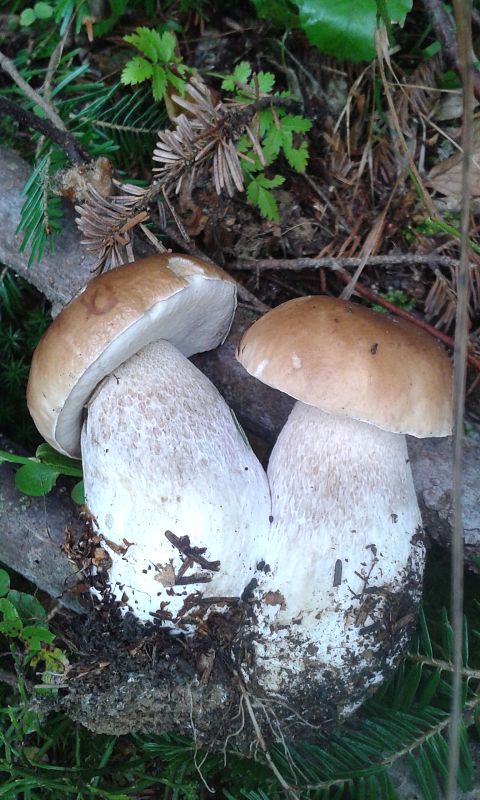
(203,138)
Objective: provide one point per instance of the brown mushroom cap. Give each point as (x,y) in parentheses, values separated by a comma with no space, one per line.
(354,362)
(178,298)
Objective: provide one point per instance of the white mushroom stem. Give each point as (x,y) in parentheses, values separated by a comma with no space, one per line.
(163,454)
(345,547)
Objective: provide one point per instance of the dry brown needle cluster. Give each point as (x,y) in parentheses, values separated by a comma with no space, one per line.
(203,138)
(107,223)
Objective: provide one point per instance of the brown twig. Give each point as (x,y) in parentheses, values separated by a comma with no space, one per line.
(330,262)
(462,10)
(60,136)
(9,67)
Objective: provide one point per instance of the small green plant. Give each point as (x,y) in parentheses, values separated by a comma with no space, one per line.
(278,133)
(38,475)
(158,62)
(398,298)
(23,624)
(40,11)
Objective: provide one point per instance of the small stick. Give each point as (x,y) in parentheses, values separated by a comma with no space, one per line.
(60,136)
(9,67)
(330,262)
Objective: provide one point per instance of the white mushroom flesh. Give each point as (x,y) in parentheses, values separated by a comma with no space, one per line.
(345,546)
(164,455)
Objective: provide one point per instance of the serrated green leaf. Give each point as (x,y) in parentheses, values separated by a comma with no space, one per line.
(146,40)
(10,624)
(28,607)
(27,17)
(176,81)
(43,10)
(159,82)
(36,635)
(36,479)
(266,82)
(78,494)
(166,46)
(260,196)
(295,123)
(297,157)
(4,582)
(270,183)
(346,28)
(242,72)
(136,70)
(272,143)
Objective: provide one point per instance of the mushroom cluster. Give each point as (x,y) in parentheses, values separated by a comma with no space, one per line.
(327,552)
(177,494)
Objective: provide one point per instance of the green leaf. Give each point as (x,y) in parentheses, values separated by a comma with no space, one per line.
(4,582)
(176,81)
(259,195)
(145,40)
(295,123)
(43,10)
(28,607)
(11,624)
(346,28)
(78,494)
(136,70)
(36,635)
(272,143)
(270,183)
(166,44)
(159,82)
(64,464)
(266,82)
(36,479)
(240,74)
(297,157)
(27,17)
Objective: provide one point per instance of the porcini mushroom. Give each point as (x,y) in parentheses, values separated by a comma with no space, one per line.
(178,496)
(345,548)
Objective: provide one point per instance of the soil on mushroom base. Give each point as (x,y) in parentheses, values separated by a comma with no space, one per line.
(126,676)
